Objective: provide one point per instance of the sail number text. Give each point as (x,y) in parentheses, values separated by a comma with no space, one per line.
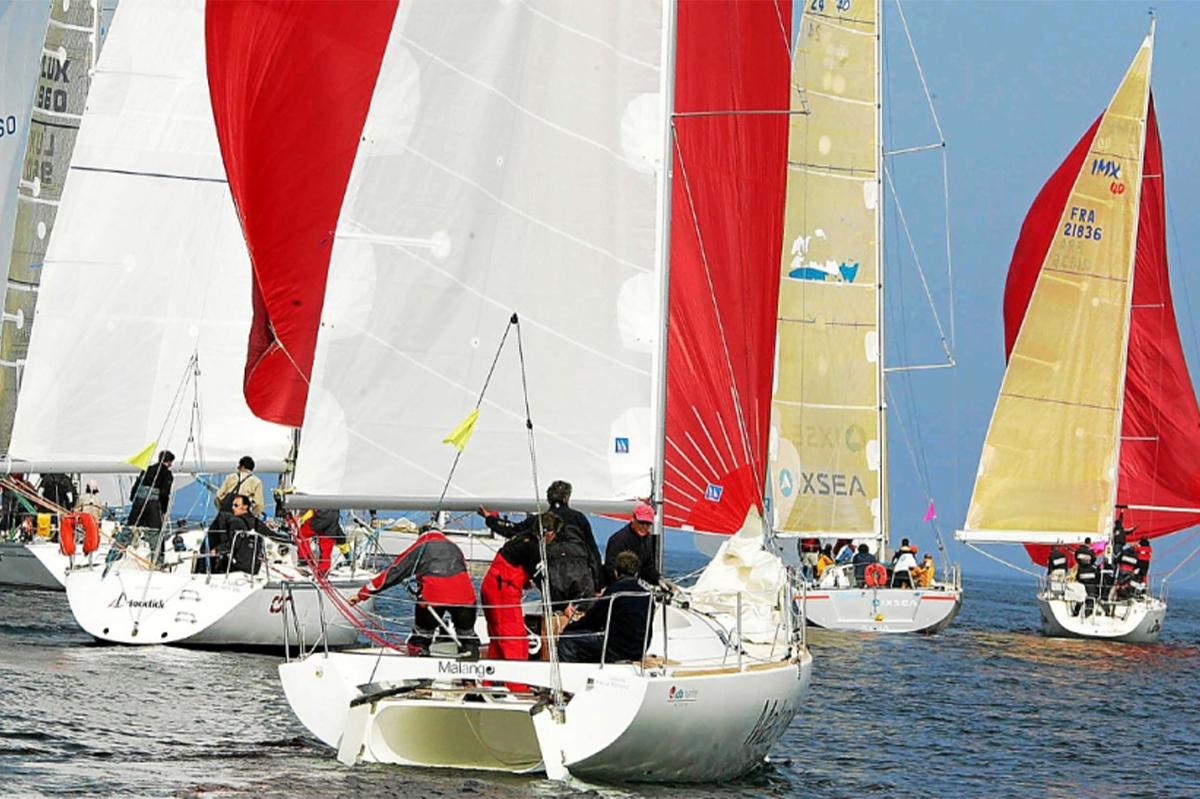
(8,126)
(819,5)
(1082,224)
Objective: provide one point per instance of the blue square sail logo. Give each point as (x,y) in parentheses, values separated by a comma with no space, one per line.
(713,492)
(622,446)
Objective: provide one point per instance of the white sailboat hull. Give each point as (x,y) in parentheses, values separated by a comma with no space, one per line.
(883,610)
(140,607)
(1134,621)
(618,724)
(39,564)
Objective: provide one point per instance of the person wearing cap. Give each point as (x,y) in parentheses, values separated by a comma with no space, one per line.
(634,537)
(443,589)
(245,482)
(90,502)
(572,523)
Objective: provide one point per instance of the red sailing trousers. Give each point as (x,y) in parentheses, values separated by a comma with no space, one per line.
(501,592)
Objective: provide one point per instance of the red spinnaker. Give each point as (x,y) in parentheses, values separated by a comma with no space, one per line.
(291,82)
(1160,425)
(727,202)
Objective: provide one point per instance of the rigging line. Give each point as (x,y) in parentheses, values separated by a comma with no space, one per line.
(785,28)
(478,402)
(923,476)
(712,294)
(917,259)
(1001,561)
(547,607)
(920,72)
(1182,273)
(1179,565)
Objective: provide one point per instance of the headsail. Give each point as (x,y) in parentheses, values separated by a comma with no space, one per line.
(731,97)
(828,472)
(288,182)
(1048,471)
(146,270)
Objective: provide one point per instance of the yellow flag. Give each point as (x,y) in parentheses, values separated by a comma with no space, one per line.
(142,459)
(460,435)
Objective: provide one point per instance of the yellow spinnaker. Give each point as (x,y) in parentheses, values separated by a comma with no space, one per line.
(460,435)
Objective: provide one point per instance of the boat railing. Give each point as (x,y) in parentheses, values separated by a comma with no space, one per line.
(293,628)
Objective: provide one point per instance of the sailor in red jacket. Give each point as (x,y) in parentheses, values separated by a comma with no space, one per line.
(443,587)
(511,572)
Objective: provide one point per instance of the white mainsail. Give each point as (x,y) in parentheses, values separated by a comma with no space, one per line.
(147,270)
(490,179)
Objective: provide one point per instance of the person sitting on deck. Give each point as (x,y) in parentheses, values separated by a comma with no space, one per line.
(862,559)
(902,567)
(809,549)
(624,608)
(1056,565)
(925,573)
(825,560)
(234,541)
(845,552)
(245,482)
(443,589)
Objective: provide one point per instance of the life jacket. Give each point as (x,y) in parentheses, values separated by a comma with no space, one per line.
(1143,553)
(569,566)
(1057,562)
(1086,573)
(1129,559)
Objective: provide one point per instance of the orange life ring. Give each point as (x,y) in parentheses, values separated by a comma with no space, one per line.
(875,575)
(91,532)
(66,535)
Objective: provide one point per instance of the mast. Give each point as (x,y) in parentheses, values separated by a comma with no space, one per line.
(881,374)
(1137,218)
(663,257)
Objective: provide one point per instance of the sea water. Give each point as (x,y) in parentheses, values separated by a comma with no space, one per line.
(987,708)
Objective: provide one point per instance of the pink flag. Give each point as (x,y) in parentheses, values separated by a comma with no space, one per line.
(930,514)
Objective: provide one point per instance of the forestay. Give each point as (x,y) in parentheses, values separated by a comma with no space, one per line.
(828,476)
(507,163)
(1048,471)
(147,268)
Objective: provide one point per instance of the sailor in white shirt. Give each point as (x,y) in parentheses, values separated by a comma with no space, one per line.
(902,569)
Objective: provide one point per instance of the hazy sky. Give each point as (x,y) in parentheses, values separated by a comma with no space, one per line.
(1015,85)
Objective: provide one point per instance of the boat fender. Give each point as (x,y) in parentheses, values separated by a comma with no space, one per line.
(875,576)
(66,535)
(91,532)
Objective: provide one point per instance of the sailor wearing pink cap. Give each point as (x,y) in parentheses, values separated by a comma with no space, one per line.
(634,537)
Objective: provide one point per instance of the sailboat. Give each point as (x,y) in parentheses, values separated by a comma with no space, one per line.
(48,52)
(829,432)
(1097,421)
(493,170)
(139,334)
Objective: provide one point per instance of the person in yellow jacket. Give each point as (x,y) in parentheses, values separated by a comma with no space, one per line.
(243,482)
(824,560)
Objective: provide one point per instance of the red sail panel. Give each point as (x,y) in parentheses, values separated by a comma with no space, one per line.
(1160,426)
(291,82)
(727,201)
(1037,232)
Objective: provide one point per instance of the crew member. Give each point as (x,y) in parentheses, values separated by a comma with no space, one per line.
(862,559)
(326,527)
(634,537)
(902,567)
(234,540)
(245,482)
(1056,565)
(151,493)
(1144,553)
(573,522)
(1127,568)
(443,589)
(1084,553)
(582,641)
(90,501)
(511,572)
(810,552)
(59,489)
(1087,575)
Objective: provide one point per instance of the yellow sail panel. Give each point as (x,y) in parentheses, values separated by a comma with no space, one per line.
(826,420)
(1049,462)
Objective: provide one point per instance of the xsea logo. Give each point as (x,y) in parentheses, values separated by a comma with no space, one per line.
(837,270)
